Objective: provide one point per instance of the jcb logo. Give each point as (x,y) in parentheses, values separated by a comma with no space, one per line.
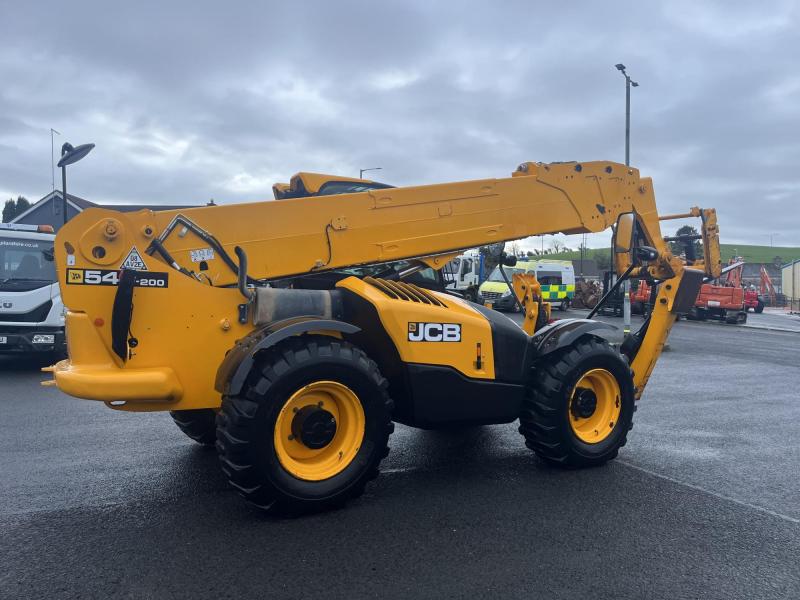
(434,332)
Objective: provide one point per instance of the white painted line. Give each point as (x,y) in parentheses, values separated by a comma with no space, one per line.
(400,470)
(761,509)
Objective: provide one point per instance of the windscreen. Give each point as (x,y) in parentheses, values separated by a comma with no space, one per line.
(498,276)
(549,277)
(25,264)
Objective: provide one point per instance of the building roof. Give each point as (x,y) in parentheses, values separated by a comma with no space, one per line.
(81,204)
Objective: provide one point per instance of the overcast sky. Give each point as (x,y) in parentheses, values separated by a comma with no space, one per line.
(191,101)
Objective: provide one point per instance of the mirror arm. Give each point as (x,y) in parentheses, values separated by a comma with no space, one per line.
(510,287)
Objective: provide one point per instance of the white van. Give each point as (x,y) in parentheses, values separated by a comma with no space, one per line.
(31,312)
(557,278)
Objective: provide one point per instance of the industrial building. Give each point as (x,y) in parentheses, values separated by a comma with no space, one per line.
(790,283)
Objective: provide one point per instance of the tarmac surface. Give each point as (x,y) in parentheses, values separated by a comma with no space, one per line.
(703,502)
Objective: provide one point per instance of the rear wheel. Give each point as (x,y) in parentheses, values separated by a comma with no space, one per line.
(200,425)
(759,307)
(580,408)
(309,428)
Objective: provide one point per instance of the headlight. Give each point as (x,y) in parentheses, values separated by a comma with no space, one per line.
(43,339)
(506,293)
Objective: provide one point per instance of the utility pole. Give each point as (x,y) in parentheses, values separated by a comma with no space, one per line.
(53,158)
(626,301)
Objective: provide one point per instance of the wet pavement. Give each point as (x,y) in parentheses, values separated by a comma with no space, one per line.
(704,501)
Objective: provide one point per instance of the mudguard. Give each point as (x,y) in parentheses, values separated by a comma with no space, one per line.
(562,333)
(237,363)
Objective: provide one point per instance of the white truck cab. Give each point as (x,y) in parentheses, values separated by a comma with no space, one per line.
(31,311)
(463,274)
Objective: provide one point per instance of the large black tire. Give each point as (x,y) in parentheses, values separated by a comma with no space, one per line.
(200,424)
(246,425)
(545,418)
(759,307)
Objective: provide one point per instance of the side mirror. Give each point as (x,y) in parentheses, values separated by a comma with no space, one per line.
(623,236)
(494,251)
(645,254)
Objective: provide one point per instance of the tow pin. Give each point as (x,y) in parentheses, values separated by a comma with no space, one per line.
(132,343)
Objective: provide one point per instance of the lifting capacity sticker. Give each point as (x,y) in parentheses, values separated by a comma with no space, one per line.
(149,279)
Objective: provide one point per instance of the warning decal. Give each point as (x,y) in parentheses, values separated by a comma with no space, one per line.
(134,261)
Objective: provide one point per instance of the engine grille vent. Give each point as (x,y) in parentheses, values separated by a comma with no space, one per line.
(37,315)
(399,290)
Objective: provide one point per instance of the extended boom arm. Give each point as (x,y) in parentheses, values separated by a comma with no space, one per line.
(179,335)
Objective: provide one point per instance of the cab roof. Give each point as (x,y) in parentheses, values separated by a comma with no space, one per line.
(305,184)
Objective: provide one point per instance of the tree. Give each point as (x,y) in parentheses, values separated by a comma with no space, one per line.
(679,248)
(602,258)
(14,208)
(556,246)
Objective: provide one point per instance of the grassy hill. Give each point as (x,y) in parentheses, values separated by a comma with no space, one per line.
(751,254)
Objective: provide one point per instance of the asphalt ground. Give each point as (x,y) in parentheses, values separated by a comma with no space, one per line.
(703,502)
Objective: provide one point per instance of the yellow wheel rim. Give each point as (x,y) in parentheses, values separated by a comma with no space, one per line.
(322,463)
(594,406)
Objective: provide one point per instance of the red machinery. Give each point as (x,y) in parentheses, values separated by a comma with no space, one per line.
(726,301)
(640,298)
(765,295)
(767,290)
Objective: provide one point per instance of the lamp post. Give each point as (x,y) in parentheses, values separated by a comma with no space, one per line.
(362,171)
(628,83)
(69,155)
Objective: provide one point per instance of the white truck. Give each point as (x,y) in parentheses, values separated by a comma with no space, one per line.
(31,311)
(463,274)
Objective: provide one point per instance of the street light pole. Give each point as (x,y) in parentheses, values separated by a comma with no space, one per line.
(626,299)
(362,171)
(628,83)
(69,155)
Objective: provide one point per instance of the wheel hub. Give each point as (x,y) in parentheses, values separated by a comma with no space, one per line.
(314,426)
(584,403)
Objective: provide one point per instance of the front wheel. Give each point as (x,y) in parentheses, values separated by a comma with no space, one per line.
(309,428)
(579,409)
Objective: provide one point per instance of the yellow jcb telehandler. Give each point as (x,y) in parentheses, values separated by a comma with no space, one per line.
(299,386)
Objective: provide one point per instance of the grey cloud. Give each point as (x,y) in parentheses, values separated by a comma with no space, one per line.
(188,101)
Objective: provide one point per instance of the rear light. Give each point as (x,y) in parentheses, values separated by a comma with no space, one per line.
(45,229)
